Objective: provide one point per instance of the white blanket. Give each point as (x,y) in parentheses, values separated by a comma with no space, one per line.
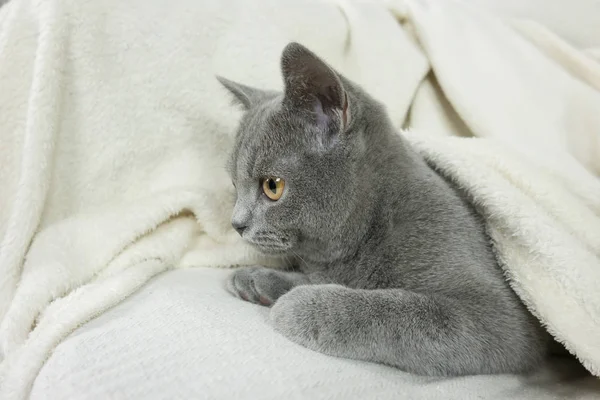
(114,134)
(545,224)
(113,125)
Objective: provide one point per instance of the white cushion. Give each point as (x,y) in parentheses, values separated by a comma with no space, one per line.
(184,337)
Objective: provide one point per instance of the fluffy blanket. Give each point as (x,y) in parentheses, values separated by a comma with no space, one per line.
(545,225)
(114,137)
(114,134)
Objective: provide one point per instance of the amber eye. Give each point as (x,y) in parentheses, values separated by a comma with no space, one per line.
(273,188)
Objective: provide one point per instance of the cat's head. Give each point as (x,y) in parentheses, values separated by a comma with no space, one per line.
(298,156)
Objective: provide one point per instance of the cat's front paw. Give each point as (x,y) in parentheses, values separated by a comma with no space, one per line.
(259,285)
(312,316)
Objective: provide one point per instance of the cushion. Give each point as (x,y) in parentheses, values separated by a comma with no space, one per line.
(184,337)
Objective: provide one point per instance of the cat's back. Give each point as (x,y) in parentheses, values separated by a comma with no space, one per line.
(429,232)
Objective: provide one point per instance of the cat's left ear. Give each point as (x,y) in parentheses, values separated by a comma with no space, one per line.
(244,95)
(313,85)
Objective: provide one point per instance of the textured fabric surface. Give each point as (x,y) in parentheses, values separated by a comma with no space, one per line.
(184,337)
(575,21)
(115,133)
(544,221)
(526,87)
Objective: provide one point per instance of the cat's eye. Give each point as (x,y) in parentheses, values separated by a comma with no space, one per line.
(273,188)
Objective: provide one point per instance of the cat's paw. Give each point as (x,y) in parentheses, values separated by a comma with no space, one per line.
(311,316)
(258,285)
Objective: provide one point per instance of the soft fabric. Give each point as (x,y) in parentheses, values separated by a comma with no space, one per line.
(500,85)
(541,206)
(207,344)
(114,134)
(545,224)
(574,21)
(114,137)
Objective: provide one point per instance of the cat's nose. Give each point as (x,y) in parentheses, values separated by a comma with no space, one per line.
(239,227)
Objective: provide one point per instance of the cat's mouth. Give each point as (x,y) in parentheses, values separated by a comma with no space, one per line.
(270,245)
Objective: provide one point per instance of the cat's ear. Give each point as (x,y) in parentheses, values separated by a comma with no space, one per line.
(244,95)
(313,85)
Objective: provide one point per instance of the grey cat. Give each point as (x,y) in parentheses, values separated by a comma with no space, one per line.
(394,265)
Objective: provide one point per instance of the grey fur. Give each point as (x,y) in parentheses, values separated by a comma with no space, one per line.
(394,265)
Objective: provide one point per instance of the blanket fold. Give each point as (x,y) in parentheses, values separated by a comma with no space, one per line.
(546,234)
(114,134)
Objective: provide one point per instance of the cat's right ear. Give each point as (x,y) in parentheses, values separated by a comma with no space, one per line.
(310,83)
(245,96)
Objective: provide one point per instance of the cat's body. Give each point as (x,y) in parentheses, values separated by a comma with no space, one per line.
(394,265)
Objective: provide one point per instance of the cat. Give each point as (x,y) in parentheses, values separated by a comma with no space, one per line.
(393,263)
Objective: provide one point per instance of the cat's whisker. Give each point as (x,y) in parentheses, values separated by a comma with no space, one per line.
(301,259)
(289,260)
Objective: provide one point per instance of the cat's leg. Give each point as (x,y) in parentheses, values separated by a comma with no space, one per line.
(262,285)
(421,334)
